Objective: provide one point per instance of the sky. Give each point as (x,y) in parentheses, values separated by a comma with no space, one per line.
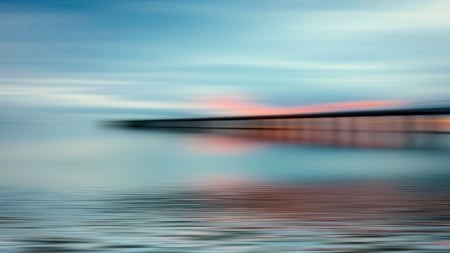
(183,57)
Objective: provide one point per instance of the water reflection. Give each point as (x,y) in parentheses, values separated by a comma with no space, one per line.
(111,190)
(325,138)
(256,217)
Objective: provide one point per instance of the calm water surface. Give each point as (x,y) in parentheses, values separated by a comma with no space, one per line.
(78,187)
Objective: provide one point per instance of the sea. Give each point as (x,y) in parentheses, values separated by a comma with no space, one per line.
(68,183)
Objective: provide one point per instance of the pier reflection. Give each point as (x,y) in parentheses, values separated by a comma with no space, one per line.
(383,132)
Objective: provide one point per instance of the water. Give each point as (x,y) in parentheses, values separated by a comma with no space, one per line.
(73,186)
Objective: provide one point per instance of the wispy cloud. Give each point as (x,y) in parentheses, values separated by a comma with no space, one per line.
(238,105)
(60,81)
(393,17)
(80,97)
(290,64)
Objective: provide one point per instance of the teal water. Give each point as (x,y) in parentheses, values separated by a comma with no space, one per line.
(75,186)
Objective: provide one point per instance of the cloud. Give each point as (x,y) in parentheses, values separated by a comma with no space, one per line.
(79,97)
(57,96)
(290,64)
(238,105)
(61,81)
(410,16)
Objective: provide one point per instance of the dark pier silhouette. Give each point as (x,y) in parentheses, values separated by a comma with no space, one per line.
(363,128)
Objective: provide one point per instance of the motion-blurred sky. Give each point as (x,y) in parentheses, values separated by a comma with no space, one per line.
(170,56)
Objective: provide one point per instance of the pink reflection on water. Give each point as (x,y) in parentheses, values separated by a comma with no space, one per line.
(235,141)
(327,202)
(216,144)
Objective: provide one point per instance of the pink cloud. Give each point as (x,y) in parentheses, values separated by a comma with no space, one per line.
(238,105)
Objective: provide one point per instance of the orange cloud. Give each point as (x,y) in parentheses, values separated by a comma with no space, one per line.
(237,105)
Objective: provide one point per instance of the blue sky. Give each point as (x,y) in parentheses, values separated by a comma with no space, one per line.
(162,56)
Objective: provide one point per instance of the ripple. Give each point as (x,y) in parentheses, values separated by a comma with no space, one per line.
(262,218)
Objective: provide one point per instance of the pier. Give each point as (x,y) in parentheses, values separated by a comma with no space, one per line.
(373,128)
